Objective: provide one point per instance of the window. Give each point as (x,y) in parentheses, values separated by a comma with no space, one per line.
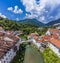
(43,45)
(10,53)
(6,58)
(4,62)
(15,48)
(59,50)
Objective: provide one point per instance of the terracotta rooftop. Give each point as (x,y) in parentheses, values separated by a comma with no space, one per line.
(7,42)
(36,37)
(55,36)
(33,34)
(49,38)
(55,33)
(55,42)
(54,30)
(46,37)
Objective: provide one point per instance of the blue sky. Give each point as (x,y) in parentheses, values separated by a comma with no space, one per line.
(42,10)
(5,4)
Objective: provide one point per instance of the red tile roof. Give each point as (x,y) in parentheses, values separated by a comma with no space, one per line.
(49,38)
(36,37)
(4,45)
(55,42)
(54,30)
(33,34)
(46,37)
(55,36)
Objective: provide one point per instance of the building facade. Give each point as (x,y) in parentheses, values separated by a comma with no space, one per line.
(9,45)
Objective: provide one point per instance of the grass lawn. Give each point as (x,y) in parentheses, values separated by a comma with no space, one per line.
(50,56)
(32,55)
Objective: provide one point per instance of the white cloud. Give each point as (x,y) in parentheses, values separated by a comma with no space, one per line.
(2,15)
(17,19)
(31,16)
(10,8)
(16,10)
(57,16)
(42,18)
(51,17)
(43,7)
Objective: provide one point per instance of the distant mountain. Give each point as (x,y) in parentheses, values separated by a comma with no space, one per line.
(38,23)
(53,23)
(32,22)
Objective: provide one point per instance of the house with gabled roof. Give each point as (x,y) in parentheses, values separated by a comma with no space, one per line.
(54,42)
(9,45)
(39,41)
(31,35)
(51,39)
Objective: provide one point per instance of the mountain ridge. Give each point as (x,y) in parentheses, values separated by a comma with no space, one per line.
(36,22)
(52,23)
(32,21)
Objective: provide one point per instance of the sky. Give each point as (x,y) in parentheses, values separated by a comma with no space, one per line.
(42,10)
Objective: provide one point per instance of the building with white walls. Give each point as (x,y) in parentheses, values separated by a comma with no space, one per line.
(9,45)
(54,42)
(51,39)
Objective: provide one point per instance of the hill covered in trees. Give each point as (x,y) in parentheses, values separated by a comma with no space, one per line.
(25,27)
(14,25)
(32,22)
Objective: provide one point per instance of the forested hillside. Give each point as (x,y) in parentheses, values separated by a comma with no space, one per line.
(25,27)
(32,22)
(14,25)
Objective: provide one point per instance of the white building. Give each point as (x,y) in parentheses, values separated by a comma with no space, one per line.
(58,27)
(51,39)
(54,44)
(10,54)
(9,45)
(40,41)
